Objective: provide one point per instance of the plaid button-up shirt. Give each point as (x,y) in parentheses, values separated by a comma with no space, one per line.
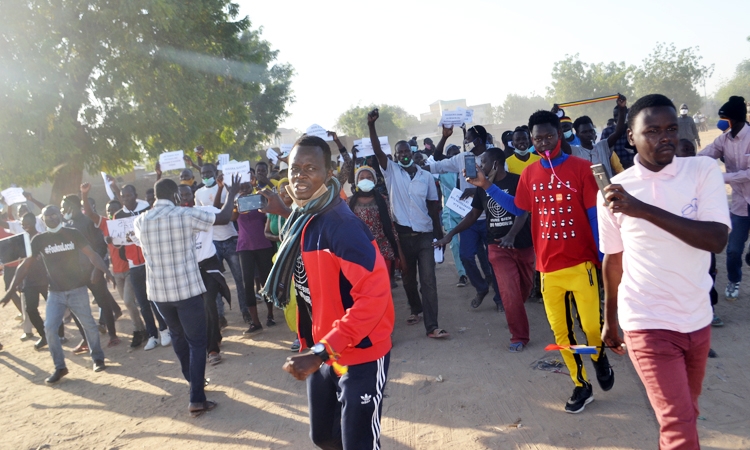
(167,236)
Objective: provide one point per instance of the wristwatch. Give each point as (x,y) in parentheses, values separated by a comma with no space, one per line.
(320,351)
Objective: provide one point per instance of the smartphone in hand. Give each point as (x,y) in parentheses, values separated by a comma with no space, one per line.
(249,203)
(602,179)
(470,163)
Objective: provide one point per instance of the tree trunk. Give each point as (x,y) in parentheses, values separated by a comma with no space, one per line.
(67,181)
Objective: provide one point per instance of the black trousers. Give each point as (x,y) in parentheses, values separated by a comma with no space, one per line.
(213,329)
(106,302)
(345,411)
(31,295)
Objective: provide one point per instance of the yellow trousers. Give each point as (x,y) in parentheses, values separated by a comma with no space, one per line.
(569,294)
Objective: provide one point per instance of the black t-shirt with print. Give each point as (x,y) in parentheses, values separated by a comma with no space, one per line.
(499,221)
(62,257)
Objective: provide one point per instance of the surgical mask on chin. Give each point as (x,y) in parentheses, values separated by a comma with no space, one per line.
(684,112)
(723,125)
(522,152)
(56,229)
(568,134)
(68,216)
(414,148)
(401,163)
(365,185)
(209,182)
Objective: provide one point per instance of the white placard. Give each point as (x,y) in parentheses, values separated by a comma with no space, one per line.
(454,202)
(172,160)
(317,130)
(286,149)
(236,168)
(365,148)
(468,115)
(457,116)
(223,159)
(13,195)
(272,156)
(121,231)
(108,187)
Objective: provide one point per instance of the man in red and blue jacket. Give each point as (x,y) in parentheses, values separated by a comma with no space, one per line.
(345,308)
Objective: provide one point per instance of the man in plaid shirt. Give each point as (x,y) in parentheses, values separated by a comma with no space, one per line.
(173,279)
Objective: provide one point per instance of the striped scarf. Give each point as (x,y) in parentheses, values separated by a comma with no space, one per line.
(277,285)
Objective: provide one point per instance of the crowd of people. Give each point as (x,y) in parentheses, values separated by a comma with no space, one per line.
(331,242)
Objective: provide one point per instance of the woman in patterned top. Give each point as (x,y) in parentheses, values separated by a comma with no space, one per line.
(370,206)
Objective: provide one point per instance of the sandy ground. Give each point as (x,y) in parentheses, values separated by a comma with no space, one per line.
(488,397)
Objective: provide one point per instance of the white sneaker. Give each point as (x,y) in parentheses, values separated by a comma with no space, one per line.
(166,338)
(151,344)
(732,291)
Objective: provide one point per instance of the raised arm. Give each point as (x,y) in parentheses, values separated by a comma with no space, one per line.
(225,215)
(622,106)
(87,210)
(438,155)
(31,198)
(372,117)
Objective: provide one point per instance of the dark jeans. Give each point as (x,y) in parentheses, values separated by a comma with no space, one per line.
(227,251)
(473,242)
(147,307)
(213,330)
(736,245)
(255,262)
(345,411)
(31,295)
(186,320)
(418,251)
(106,302)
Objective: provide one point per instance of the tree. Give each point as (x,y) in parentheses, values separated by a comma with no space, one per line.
(739,84)
(516,109)
(674,73)
(574,80)
(393,122)
(100,85)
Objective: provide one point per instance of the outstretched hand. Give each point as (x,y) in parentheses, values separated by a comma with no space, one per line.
(480,181)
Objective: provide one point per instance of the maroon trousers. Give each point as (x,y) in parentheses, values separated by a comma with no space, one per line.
(671,366)
(514,271)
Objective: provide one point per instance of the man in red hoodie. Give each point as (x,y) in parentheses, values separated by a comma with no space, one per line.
(345,309)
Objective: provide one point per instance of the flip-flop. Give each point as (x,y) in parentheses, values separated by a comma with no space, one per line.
(413,319)
(516,347)
(208,405)
(438,333)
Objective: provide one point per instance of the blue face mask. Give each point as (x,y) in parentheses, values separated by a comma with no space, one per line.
(414,148)
(209,182)
(723,124)
(568,134)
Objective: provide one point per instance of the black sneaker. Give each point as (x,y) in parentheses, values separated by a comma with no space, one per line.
(270,322)
(57,376)
(479,299)
(252,330)
(41,343)
(462,281)
(582,396)
(99,365)
(604,373)
(137,339)
(246,317)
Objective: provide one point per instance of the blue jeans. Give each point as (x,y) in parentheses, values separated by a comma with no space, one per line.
(186,320)
(474,243)
(227,251)
(736,246)
(147,307)
(77,300)
(450,220)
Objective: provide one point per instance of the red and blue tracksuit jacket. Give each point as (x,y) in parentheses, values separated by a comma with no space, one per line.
(350,288)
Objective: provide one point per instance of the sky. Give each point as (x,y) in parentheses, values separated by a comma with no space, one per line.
(411,53)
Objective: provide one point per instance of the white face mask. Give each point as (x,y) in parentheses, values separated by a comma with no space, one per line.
(684,112)
(56,229)
(522,152)
(365,185)
(68,216)
(568,134)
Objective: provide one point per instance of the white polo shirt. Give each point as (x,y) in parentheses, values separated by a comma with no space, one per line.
(205,197)
(665,282)
(409,196)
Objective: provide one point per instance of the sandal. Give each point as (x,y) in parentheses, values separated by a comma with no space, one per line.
(438,333)
(83,347)
(113,342)
(205,406)
(413,319)
(516,347)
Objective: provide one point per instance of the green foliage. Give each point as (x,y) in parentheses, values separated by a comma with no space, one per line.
(516,109)
(393,122)
(574,80)
(103,84)
(739,84)
(674,73)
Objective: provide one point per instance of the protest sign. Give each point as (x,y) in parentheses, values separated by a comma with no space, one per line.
(457,116)
(172,160)
(108,187)
(223,159)
(13,195)
(317,130)
(236,168)
(286,149)
(272,156)
(455,203)
(121,231)
(365,149)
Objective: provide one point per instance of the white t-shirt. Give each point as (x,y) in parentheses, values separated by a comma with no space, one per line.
(204,240)
(205,196)
(665,283)
(409,196)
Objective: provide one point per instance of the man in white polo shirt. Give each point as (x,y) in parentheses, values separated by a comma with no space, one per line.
(665,216)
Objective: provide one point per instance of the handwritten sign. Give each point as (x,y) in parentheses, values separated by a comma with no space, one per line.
(317,130)
(172,160)
(108,187)
(236,168)
(457,116)
(121,231)
(454,202)
(365,148)
(223,159)
(286,149)
(272,156)
(13,195)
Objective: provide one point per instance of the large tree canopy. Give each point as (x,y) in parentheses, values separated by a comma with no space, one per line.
(103,84)
(393,122)
(516,109)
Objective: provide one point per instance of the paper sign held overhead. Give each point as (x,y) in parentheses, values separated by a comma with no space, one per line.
(223,159)
(13,196)
(272,156)
(454,202)
(236,168)
(172,160)
(121,231)
(317,130)
(286,149)
(457,116)
(108,187)
(365,147)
